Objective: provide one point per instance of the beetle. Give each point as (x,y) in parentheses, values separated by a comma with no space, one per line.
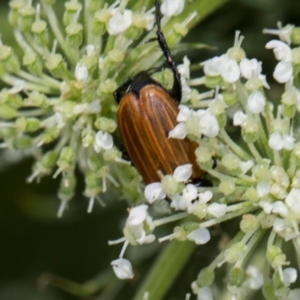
(146,113)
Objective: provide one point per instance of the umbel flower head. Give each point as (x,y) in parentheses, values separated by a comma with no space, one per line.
(58,107)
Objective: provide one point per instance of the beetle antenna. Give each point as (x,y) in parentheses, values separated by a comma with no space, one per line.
(176,89)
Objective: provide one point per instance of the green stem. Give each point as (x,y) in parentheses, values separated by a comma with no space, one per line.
(165,270)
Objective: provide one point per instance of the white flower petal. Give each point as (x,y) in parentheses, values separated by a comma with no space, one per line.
(204,293)
(119,22)
(263,188)
(184,113)
(154,191)
(283,71)
(276,141)
(217,209)
(250,67)
(289,276)
(256,279)
(266,206)
(178,132)
(280,208)
(205,196)
(281,50)
(137,215)
(279,225)
(104,140)
(230,71)
(246,165)
(288,142)
(171,8)
(122,268)
(81,72)
(183,173)
(200,236)
(239,118)
(256,102)
(189,193)
(213,66)
(184,69)
(209,125)
(293,201)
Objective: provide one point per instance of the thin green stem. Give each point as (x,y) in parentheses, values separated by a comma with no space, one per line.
(165,270)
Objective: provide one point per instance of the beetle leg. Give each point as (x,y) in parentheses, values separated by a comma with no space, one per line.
(176,89)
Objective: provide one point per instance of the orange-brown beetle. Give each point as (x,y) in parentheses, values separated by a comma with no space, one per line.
(146,114)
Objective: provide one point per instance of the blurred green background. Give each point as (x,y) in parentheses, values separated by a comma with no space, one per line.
(34,242)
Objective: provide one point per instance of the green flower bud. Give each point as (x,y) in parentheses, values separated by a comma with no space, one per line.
(115,55)
(236,277)
(33,63)
(67,187)
(235,252)
(277,283)
(192,125)
(253,84)
(180,233)
(101,18)
(36,99)
(170,185)
(189,227)
(7,132)
(213,81)
(22,142)
(275,256)
(261,172)
(26,18)
(296,152)
(227,187)
(248,223)
(278,191)
(267,221)
(268,291)
(283,293)
(204,159)
(112,154)
(94,5)
(296,180)
(7,112)
(87,137)
(206,277)
(56,65)
(230,97)
(27,124)
(40,32)
(289,101)
(251,194)
(67,109)
(74,35)
(231,163)
(250,130)
(13,15)
(71,8)
(296,56)
(48,2)
(107,86)
(295,36)
(66,159)
(236,53)
(49,135)
(49,160)
(93,184)
(9,59)
(105,124)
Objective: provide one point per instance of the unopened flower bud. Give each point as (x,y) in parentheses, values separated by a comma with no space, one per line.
(71,8)
(22,142)
(74,35)
(250,130)
(248,222)
(26,18)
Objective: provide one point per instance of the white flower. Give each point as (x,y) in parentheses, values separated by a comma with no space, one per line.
(246,165)
(209,125)
(137,215)
(190,193)
(293,201)
(263,188)
(278,142)
(183,173)
(103,140)
(205,197)
(122,268)
(178,132)
(256,102)
(171,8)
(284,69)
(81,72)
(239,118)
(119,22)
(200,236)
(289,276)
(284,33)
(217,209)
(255,279)
(204,293)
(154,191)
(279,225)
(230,71)
(280,208)
(213,66)
(250,67)
(266,206)
(184,69)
